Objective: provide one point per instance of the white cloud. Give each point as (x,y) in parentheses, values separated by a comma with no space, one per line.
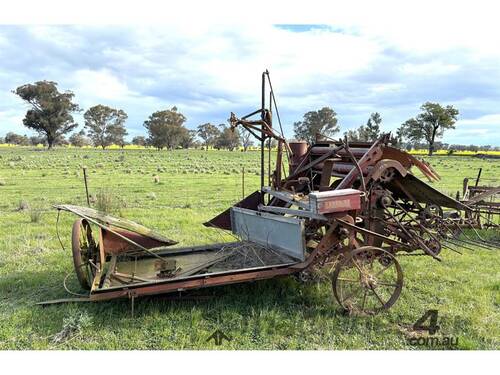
(483,129)
(387,87)
(431,68)
(95,85)
(492,119)
(370,60)
(55,35)
(11,120)
(3,41)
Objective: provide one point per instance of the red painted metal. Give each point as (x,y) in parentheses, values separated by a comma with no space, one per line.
(115,245)
(335,201)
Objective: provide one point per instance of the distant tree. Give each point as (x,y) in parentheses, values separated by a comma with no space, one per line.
(208,133)
(228,139)
(366,133)
(2,140)
(16,139)
(438,145)
(50,112)
(10,138)
(323,121)
(117,134)
(188,139)
(352,135)
(396,138)
(23,140)
(79,139)
(139,140)
(371,132)
(105,125)
(166,128)
(38,140)
(61,141)
(272,143)
(430,124)
(246,139)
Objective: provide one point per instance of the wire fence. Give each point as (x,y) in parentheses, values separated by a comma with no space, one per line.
(160,190)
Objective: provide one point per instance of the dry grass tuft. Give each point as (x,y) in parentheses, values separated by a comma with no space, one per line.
(107,201)
(35,215)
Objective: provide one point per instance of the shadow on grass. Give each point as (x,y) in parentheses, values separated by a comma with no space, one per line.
(284,295)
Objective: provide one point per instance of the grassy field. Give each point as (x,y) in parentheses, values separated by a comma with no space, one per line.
(174,192)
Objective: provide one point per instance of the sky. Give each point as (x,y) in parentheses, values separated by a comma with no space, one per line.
(356,64)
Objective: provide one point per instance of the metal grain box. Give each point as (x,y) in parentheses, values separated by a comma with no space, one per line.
(325,202)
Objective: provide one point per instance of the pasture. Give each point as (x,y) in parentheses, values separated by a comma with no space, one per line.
(174,192)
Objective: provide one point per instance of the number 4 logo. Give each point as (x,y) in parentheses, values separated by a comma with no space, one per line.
(432,328)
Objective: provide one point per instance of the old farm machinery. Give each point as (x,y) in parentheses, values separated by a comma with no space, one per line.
(483,198)
(348,209)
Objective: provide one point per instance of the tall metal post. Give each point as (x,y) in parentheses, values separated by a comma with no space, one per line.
(263,139)
(86,186)
(478,176)
(269,140)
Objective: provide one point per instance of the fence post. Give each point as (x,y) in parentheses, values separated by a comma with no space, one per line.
(86,186)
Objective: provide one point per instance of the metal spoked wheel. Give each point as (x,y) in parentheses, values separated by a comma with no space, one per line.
(84,250)
(367,281)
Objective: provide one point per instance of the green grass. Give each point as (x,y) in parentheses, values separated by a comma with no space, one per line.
(193,186)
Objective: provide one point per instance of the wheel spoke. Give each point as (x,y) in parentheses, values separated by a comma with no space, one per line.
(386,284)
(354,283)
(357,265)
(383,270)
(348,280)
(364,300)
(83,237)
(350,295)
(377,296)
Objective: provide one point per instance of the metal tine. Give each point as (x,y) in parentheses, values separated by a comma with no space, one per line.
(490,243)
(461,244)
(473,243)
(484,240)
(469,240)
(450,238)
(482,243)
(449,247)
(476,243)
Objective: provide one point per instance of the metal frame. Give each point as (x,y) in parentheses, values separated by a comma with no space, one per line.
(394,213)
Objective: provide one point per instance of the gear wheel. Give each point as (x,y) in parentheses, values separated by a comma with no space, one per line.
(387,175)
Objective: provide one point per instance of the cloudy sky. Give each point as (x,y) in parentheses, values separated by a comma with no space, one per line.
(356,65)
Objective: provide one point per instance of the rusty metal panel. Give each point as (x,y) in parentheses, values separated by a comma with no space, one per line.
(325,202)
(117,222)
(283,234)
(423,193)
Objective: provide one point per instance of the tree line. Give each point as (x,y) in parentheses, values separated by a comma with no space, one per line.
(51,116)
(425,129)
